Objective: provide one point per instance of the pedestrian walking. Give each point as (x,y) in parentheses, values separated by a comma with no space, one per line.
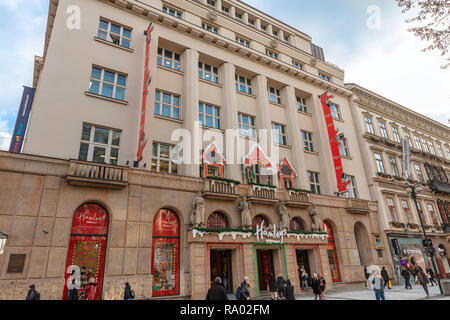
(366,275)
(280,287)
(422,279)
(217,292)
(407,276)
(244,290)
(315,285)
(128,294)
(33,294)
(73,291)
(273,287)
(305,280)
(385,276)
(431,275)
(378,286)
(289,290)
(322,284)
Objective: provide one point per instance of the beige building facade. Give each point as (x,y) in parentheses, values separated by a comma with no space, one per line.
(169,227)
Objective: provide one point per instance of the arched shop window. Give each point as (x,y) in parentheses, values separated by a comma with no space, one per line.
(166,254)
(332,254)
(87,251)
(217,221)
(297,224)
(258,220)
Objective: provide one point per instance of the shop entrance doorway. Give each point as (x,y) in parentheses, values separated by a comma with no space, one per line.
(221,266)
(303,262)
(265,268)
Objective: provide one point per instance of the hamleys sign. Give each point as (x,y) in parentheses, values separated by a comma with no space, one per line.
(270,233)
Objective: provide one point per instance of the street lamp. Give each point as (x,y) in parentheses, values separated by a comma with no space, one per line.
(3,237)
(413,190)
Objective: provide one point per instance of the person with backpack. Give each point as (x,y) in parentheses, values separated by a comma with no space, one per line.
(280,287)
(289,290)
(128,293)
(243,291)
(273,287)
(33,294)
(407,276)
(217,291)
(378,286)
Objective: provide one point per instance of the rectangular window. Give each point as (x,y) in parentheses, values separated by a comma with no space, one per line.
(408,137)
(209,116)
(238,15)
(279,134)
(212,3)
(99,145)
(335,111)
(308,141)
(263,28)
(163,158)
(314,182)
(379,162)
(369,125)
(274,95)
(167,105)
(433,214)
(114,33)
(107,83)
(352,192)
(343,147)
(275,33)
(425,146)
(251,22)
(272,54)
(421,213)
(226,10)
(168,59)
(419,173)
(172,12)
(297,65)
(243,84)
(396,134)
(439,150)
(430,144)
(247,126)
(392,209)
(208,72)
(418,144)
(210,28)
(406,211)
(286,38)
(383,130)
(394,167)
(324,76)
(243,41)
(301,105)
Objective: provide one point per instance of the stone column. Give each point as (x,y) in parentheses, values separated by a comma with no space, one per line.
(233,11)
(219,5)
(295,138)
(190,103)
(270,29)
(258,23)
(245,18)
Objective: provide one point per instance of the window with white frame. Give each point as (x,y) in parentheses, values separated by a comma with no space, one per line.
(167,105)
(394,167)
(168,59)
(212,3)
(251,22)
(425,145)
(430,144)
(208,72)
(99,145)
(173,12)
(314,182)
(279,134)
(209,115)
(163,158)
(396,134)
(243,84)
(406,211)
(369,124)
(439,150)
(108,83)
(335,111)
(352,191)
(418,144)
(114,33)
(324,76)
(419,173)
(379,163)
(297,65)
(308,143)
(272,54)
(243,41)
(408,137)
(301,104)
(383,130)
(274,95)
(392,209)
(343,147)
(433,215)
(247,125)
(210,28)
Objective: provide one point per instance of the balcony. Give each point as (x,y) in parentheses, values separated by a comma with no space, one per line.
(220,190)
(90,174)
(263,194)
(357,206)
(298,200)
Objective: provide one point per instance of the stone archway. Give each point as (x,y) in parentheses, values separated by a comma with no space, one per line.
(363,244)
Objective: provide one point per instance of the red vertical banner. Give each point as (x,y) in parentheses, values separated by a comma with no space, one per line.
(332,134)
(87,250)
(166,254)
(147,79)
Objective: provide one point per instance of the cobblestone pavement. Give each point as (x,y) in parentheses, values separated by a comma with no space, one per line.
(396,293)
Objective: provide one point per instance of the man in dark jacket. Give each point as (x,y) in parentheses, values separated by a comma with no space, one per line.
(280,286)
(127,293)
(217,292)
(289,290)
(245,289)
(33,294)
(273,287)
(315,284)
(385,277)
(430,271)
(367,275)
(406,275)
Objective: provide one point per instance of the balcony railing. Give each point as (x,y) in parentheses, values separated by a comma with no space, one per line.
(97,175)
(357,206)
(220,190)
(298,199)
(262,194)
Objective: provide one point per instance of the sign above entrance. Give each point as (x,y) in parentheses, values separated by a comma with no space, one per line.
(271,233)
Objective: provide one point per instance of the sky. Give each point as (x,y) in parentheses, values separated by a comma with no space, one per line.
(387,60)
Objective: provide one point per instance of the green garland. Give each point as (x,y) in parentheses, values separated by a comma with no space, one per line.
(263,185)
(298,190)
(224,180)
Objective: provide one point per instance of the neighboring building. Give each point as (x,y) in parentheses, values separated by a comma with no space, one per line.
(75,197)
(383,125)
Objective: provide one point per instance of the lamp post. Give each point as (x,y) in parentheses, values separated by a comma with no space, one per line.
(3,237)
(413,190)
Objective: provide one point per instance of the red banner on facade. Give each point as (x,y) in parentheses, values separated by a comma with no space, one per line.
(142,139)
(332,134)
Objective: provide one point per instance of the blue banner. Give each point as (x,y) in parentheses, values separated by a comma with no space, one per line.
(22,120)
